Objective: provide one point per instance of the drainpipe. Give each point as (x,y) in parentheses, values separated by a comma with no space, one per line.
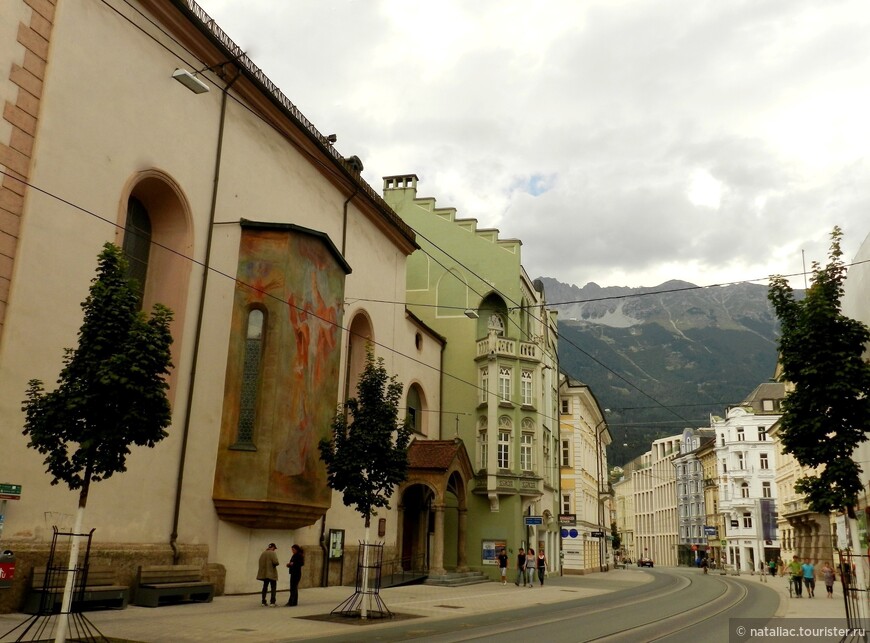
(173,537)
(344,222)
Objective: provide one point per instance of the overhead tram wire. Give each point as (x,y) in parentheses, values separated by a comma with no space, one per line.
(268,295)
(657,404)
(317,161)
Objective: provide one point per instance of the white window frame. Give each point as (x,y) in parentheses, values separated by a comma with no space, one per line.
(565,452)
(484,384)
(503,455)
(763,461)
(527,450)
(527,388)
(566,406)
(766,491)
(505,375)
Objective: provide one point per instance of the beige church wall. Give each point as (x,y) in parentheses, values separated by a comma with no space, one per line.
(86,153)
(110,111)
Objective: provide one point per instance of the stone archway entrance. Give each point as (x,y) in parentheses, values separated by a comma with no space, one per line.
(416,527)
(433,503)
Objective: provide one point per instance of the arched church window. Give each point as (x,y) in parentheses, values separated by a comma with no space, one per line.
(250,380)
(137,244)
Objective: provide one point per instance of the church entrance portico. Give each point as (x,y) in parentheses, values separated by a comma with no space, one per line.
(432,509)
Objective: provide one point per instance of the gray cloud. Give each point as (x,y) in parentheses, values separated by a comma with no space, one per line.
(583,128)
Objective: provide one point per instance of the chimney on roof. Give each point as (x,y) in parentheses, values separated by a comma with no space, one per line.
(401,182)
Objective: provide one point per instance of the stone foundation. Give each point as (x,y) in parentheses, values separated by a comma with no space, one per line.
(124,557)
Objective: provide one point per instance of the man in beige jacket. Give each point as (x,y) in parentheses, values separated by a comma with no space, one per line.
(268,573)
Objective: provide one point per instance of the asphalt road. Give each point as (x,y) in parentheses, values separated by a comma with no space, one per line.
(678,606)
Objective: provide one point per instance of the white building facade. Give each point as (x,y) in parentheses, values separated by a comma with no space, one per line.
(747,478)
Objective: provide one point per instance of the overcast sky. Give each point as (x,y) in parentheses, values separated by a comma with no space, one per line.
(624,142)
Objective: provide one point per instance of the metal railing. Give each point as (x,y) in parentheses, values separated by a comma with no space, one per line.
(399,570)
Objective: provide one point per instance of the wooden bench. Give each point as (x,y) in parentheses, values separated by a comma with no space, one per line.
(99,589)
(161,584)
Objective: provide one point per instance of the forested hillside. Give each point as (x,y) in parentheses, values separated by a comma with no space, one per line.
(664,358)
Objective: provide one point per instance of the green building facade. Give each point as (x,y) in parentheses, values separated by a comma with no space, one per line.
(500,375)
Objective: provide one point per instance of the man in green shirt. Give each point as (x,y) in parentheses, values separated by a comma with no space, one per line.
(796,572)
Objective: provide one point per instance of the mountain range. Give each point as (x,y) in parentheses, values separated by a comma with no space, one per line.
(664,358)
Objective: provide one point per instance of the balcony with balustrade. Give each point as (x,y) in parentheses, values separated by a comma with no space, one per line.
(509,348)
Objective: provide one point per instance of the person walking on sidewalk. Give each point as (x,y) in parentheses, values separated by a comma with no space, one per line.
(828,577)
(521,567)
(771,564)
(542,567)
(796,573)
(297,561)
(530,566)
(502,565)
(268,573)
(762,571)
(809,573)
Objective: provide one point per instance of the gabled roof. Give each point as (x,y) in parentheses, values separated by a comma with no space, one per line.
(433,454)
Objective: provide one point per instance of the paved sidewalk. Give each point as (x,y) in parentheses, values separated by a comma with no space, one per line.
(792,607)
(241,619)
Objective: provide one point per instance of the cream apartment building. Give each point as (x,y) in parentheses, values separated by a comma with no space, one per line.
(802,532)
(655,492)
(584,438)
(623,502)
(714,525)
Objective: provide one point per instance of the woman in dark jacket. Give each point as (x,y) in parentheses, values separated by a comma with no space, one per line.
(297,561)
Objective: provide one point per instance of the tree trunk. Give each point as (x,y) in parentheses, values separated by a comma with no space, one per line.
(63,618)
(366,599)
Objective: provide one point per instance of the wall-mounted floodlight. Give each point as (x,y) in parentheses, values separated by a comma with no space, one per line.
(471,313)
(190,81)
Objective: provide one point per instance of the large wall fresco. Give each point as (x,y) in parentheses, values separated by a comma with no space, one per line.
(274,477)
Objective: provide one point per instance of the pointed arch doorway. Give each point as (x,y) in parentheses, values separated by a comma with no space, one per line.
(432,509)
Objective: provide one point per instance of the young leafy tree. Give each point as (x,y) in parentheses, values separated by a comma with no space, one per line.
(368,453)
(827,414)
(111,392)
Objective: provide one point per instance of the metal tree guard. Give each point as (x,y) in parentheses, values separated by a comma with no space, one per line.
(43,623)
(375,607)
